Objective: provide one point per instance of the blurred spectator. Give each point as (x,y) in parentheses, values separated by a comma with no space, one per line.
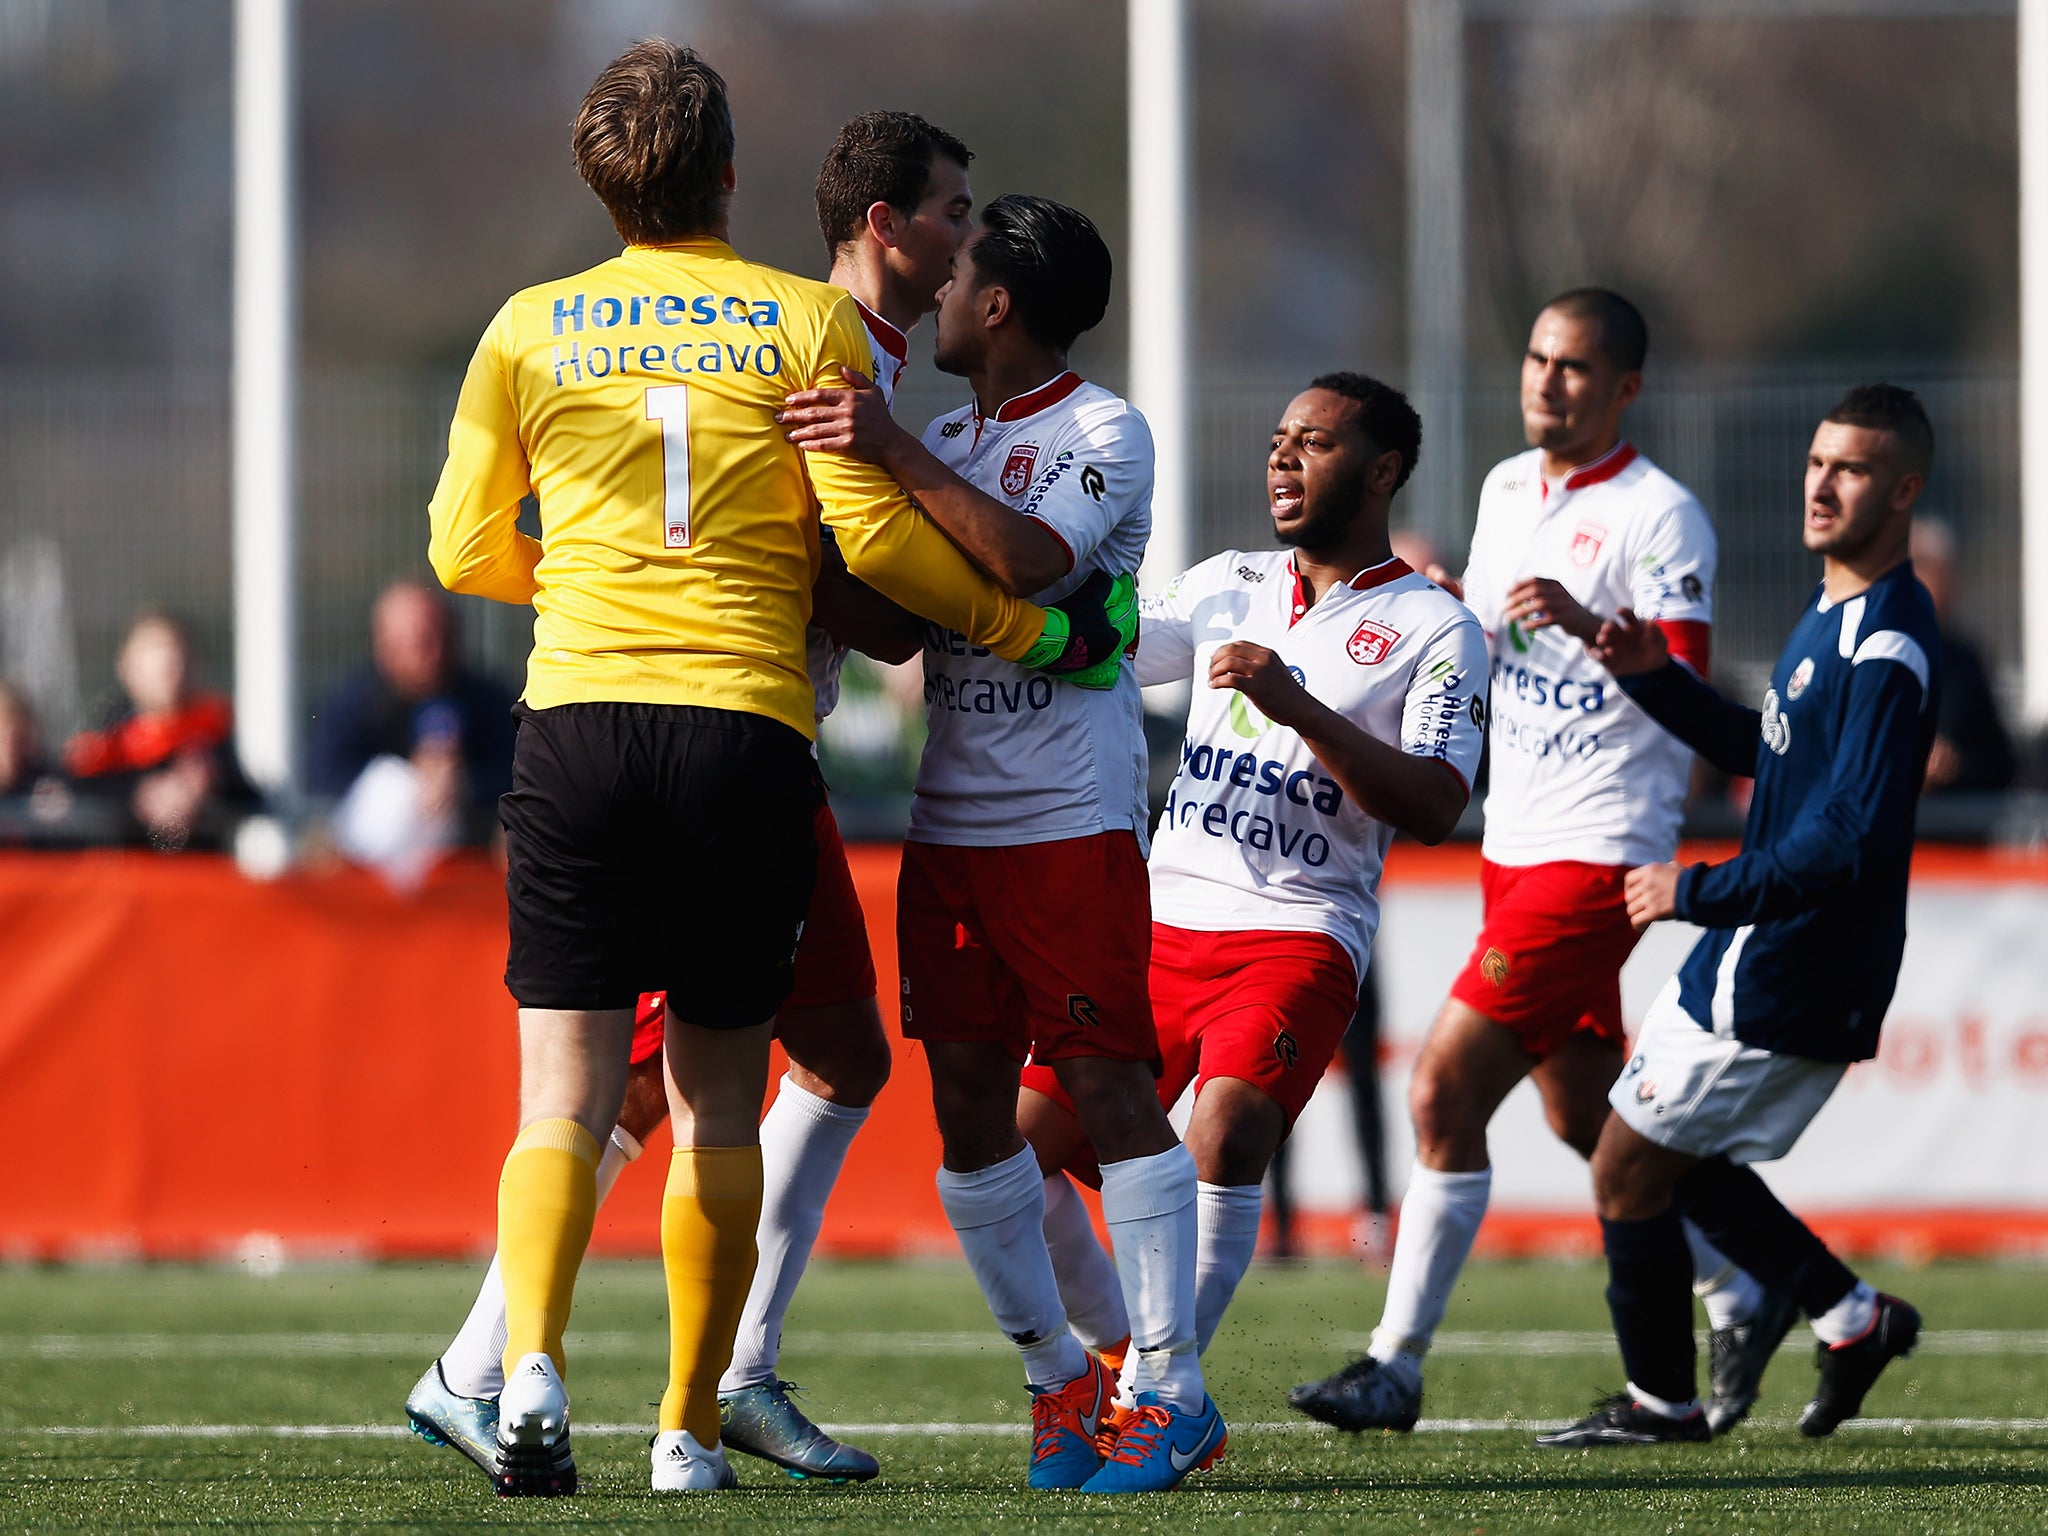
(1972,750)
(159,749)
(415,748)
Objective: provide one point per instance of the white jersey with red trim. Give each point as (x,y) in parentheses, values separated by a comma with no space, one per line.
(1578,772)
(1011,755)
(824,656)
(1257,833)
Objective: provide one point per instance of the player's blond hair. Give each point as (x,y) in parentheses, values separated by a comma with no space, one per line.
(653,139)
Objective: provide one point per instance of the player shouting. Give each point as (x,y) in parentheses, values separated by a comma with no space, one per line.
(893,204)
(1805,929)
(1345,700)
(1584,785)
(1022,918)
(665,727)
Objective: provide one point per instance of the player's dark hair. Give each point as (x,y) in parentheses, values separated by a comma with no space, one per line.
(653,139)
(1890,408)
(1052,261)
(1624,337)
(879,157)
(1385,417)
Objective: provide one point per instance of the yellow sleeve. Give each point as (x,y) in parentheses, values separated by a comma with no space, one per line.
(891,545)
(474,543)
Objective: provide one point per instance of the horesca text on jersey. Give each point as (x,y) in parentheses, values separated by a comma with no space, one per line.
(1261,775)
(1533,687)
(608,310)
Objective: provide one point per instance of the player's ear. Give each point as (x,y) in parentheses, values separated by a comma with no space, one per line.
(1385,473)
(995,306)
(1626,388)
(882,221)
(728,177)
(1906,490)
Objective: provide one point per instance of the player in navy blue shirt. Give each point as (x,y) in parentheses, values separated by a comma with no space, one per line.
(1804,932)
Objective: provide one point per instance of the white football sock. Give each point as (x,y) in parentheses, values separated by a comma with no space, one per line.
(1731,1293)
(1089,1288)
(1440,1216)
(473,1364)
(1850,1318)
(1663,1407)
(1227,1219)
(803,1146)
(1149,1204)
(999,1213)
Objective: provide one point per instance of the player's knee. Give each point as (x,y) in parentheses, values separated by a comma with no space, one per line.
(839,1053)
(1577,1125)
(1443,1119)
(1234,1133)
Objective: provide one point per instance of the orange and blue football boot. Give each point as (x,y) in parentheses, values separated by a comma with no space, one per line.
(1159,1445)
(1063,1427)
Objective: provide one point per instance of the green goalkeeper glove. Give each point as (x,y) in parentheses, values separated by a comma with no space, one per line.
(1088,632)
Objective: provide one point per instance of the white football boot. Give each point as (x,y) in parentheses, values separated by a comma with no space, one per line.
(533,1432)
(681,1465)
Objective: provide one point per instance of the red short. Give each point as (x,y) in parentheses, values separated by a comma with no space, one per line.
(1547,963)
(1040,948)
(1263,1006)
(833,961)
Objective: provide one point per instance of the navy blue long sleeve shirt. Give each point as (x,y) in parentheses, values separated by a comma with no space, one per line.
(1806,926)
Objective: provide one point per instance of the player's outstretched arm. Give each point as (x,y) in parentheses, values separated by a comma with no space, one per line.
(474,542)
(1021,553)
(1873,786)
(1414,794)
(856,615)
(1725,733)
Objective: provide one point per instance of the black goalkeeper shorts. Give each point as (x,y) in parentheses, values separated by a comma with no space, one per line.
(658,848)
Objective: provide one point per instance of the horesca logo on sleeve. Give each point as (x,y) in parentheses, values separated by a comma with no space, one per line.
(1017,468)
(1370,643)
(1586,543)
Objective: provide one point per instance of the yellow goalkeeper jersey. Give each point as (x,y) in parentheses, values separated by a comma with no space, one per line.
(679,529)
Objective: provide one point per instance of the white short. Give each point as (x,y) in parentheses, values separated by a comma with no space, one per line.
(1694,1091)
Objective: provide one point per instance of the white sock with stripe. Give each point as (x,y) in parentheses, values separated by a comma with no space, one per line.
(1089,1287)
(1149,1205)
(999,1214)
(1440,1215)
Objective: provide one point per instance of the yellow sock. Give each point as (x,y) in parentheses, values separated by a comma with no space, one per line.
(708,1217)
(547,1199)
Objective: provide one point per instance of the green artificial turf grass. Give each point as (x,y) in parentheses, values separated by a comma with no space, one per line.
(911,1345)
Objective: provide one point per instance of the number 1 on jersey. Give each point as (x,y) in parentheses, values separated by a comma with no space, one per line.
(669,404)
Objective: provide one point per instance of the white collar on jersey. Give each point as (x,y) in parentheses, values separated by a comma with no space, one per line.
(1393,568)
(891,339)
(1032,401)
(1606,467)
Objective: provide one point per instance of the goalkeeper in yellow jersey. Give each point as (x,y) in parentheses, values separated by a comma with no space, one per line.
(659,831)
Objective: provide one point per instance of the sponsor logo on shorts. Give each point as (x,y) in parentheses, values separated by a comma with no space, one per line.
(1802,675)
(1586,542)
(1370,643)
(1017,468)
(1493,965)
(1285,1050)
(1081,1009)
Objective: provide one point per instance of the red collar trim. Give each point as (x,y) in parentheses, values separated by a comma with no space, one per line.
(1031,402)
(1606,467)
(1391,569)
(887,337)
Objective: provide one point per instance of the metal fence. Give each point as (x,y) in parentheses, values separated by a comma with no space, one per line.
(115,498)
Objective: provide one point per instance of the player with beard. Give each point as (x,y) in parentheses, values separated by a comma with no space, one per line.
(1022,918)
(1344,701)
(1583,786)
(1804,931)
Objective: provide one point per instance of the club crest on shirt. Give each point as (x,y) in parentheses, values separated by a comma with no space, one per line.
(1586,542)
(1802,674)
(1370,642)
(1017,468)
